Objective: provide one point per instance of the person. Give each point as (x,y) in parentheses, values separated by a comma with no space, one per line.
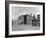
(38,20)
(34,20)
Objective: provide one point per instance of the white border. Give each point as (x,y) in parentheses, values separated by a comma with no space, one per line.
(25,32)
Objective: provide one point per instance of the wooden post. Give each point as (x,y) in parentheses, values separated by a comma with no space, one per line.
(25,19)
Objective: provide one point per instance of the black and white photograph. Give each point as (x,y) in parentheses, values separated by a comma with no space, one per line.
(25,18)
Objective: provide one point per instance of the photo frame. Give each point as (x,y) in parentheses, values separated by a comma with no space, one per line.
(16,9)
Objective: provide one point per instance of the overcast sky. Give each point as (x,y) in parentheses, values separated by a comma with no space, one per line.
(17,11)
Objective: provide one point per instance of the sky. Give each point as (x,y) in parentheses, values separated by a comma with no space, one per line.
(17,11)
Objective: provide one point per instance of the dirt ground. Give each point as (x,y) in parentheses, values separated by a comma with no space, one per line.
(25,28)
